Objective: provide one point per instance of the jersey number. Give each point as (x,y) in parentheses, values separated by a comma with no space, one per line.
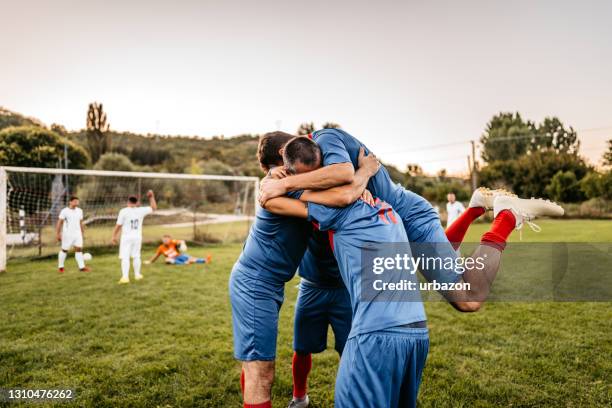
(134,224)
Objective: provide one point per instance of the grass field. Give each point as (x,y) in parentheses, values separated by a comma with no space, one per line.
(167,341)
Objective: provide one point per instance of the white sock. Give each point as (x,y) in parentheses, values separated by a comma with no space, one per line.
(125,268)
(137,263)
(61,258)
(79,259)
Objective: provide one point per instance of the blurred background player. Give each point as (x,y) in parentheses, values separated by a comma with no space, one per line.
(454,209)
(69,232)
(129,222)
(174,252)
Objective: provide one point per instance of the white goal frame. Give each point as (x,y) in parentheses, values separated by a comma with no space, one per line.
(132,174)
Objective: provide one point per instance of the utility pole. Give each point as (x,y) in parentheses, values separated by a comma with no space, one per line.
(474,175)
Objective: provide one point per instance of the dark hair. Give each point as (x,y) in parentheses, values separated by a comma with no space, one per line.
(72,198)
(133,199)
(301,149)
(268,149)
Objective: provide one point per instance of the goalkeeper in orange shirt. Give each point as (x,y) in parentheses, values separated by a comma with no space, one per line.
(174,252)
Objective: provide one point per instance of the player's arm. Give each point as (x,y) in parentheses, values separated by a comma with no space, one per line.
(324,178)
(116,232)
(82,224)
(347,194)
(58,229)
(154,257)
(289,207)
(152,201)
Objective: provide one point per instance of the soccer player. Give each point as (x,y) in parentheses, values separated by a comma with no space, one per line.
(271,254)
(322,301)
(69,232)
(388,343)
(454,209)
(129,222)
(174,252)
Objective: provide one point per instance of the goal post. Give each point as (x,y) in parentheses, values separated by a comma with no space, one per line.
(199,208)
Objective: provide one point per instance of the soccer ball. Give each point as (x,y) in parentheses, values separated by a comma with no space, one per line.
(87,256)
(183,247)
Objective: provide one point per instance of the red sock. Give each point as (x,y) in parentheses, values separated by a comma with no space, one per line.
(242,382)
(301,367)
(456,231)
(267,404)
(501,228)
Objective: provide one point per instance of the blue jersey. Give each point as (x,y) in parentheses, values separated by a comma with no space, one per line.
(352,228)
(274,248)
(319,266)
(337,146)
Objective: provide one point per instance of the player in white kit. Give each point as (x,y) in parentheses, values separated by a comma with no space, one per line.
(69,232)
(129,222)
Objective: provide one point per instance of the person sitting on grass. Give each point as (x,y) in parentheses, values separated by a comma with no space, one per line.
(174,252)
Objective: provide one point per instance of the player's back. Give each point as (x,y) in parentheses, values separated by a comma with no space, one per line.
(361,231)
(131,220)
(339,146)
(274,247)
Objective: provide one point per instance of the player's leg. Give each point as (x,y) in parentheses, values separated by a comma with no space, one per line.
(255,309)
(417,350)
(309,337)
(78,254)
(373,368)
(510,213)
(61,259)
(340,317)
(136,261)
(482,199)
(125,248)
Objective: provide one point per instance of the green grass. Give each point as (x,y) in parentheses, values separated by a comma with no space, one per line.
(167,340)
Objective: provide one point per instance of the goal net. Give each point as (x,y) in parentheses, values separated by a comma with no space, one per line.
(202,209)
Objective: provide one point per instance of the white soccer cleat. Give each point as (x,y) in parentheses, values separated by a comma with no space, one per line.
(138,277)
(525,210)
(485,197)
(123,281)
(299,403)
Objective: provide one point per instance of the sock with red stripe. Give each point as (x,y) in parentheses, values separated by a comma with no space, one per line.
(456,231)
(242,382)
(267,404)
(500,230)
(301,365)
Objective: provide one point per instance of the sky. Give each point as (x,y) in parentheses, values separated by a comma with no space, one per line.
(414,80)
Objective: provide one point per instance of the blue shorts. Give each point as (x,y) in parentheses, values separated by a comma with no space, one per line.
(382,369)
(181,259)
(255,308)
(315,310)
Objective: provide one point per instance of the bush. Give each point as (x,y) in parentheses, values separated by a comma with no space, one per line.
(114,162)
(30,146)
(564,187)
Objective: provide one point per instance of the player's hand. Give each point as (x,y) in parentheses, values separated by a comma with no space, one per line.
(278,172)
(368,197)
(369,162)
(147,262)
(114,241)
(271,188)
(150,194)
(58,237)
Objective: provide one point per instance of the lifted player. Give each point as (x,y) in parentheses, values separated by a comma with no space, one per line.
(69,232)
(129,222)
(174,252)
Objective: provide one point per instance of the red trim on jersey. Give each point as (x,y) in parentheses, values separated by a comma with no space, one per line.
(330,235)
(310,136)
(315,224)
(391,215)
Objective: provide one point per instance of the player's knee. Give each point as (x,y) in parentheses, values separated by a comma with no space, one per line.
(77,249)
(259,372)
